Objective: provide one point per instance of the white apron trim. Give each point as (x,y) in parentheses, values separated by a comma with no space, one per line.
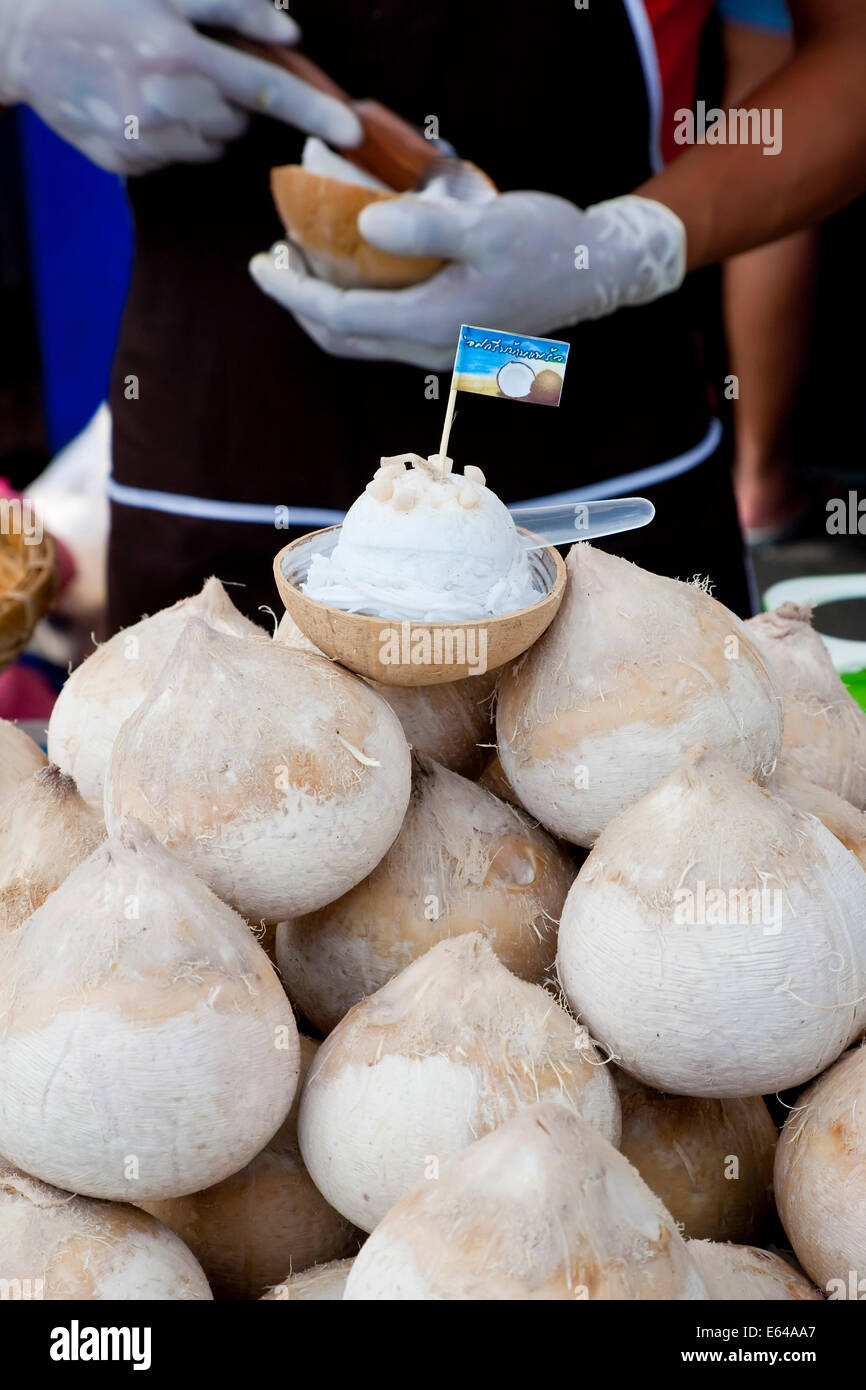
(209,509)
(628,483)
(649,59)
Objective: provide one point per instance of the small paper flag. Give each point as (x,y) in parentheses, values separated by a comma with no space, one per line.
(490,362)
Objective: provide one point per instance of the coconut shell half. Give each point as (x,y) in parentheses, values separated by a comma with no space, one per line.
(320,215)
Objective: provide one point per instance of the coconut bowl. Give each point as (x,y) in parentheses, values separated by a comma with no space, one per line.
(397,651)
(320,215)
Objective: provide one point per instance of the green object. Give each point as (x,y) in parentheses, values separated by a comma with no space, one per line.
(856,683)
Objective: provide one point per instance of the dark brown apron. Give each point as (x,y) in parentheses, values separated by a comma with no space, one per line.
(239,413)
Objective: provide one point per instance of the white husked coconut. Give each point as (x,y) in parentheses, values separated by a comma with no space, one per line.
(147,1048)
(715,938)
(463,861)
(743,1274)
(633,671)
(20,757)
(109,686)
(290,635)
(46,830)
(710,1161)
(450,723)
(278,778)
(825,729)
(541,1208)
(846,822)
(253,1226)
(821,1178)
(321,1283)
(57,1246)
(445,1052)
(494,779)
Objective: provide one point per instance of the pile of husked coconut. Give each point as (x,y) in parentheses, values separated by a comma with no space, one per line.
(534,1083)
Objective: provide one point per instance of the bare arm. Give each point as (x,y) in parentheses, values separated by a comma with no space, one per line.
(734,197)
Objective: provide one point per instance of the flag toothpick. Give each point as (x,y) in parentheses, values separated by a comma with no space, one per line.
(512,366)
(442,459)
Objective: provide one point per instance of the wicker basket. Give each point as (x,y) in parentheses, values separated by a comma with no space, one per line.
(28,583)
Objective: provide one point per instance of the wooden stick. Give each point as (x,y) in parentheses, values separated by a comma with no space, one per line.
(442,456)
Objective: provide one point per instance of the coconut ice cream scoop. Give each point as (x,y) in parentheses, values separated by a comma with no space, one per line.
(426,545)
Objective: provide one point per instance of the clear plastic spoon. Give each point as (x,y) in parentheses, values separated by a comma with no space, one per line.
(581,521)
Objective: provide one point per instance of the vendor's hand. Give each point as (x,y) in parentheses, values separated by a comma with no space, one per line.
(528,262)
(257,19)
(134,86)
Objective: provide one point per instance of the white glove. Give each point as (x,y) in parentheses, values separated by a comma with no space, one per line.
(132,85)
(528,262)
(258,19)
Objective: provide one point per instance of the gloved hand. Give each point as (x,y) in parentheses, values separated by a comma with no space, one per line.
(529,262)
(258,19)
(88,66)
